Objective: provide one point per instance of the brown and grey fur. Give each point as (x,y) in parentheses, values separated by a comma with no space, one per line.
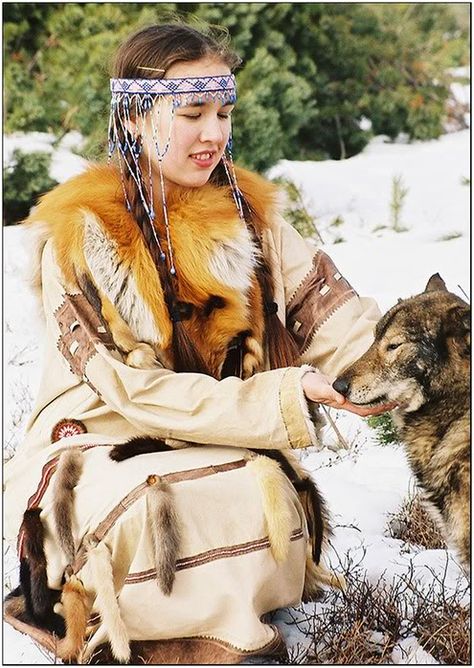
(165,533)
(420,359)
(67,476)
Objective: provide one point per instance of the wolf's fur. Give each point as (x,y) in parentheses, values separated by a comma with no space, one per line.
(67,476)
(421,359)
(165,533)
(99,558)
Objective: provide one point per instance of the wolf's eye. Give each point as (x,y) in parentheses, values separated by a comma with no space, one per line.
(393,346)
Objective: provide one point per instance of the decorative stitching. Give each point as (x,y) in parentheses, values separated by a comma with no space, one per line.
(211,555)
(81,327)
(280,405)
(321,292)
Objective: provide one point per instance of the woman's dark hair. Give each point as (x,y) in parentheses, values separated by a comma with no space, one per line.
(158,47)
(161,46)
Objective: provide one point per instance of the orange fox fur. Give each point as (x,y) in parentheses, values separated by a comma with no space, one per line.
(200,220)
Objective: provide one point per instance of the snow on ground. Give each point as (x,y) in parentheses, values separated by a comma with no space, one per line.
(350,200)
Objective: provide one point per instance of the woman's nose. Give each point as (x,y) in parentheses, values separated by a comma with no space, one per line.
(212,130)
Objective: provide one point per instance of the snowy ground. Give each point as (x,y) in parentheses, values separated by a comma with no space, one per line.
(351,202)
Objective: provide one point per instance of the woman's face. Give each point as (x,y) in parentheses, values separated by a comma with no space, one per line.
(199,132)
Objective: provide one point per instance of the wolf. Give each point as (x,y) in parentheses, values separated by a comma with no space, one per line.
(420,359)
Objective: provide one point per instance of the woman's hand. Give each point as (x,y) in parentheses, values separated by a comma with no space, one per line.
(317,387)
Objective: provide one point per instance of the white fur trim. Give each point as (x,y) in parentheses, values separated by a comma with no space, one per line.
(117,281)
(234,260)
(99,559)
(313,418)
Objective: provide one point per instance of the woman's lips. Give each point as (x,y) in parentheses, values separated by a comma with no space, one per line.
(204,159)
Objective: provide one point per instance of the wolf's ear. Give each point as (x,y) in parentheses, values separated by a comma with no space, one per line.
(458,325)
(436,283)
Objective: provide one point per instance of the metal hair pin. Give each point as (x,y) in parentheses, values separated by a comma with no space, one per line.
(151,69)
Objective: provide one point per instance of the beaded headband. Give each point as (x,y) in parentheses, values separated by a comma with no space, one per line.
(135,98)
(184,90)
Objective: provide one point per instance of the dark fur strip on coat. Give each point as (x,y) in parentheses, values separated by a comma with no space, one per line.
(39,599)
(139,445)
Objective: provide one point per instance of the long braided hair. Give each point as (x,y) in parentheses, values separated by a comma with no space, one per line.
(158,47)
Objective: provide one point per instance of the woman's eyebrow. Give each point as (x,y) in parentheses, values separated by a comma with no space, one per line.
(203,104)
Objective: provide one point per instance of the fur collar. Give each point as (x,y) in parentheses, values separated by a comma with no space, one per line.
(95,237)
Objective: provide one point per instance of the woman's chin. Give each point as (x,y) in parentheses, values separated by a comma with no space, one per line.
(192,181)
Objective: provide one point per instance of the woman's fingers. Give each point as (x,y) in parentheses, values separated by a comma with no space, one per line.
(365,411)
(318,388)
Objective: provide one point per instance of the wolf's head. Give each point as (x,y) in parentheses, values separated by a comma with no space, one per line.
(421,351)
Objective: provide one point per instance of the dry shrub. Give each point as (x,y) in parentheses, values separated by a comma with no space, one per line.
(413,524)
(444,628)
(363,624)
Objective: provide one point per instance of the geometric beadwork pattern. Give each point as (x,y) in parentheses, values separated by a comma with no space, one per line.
(183,85)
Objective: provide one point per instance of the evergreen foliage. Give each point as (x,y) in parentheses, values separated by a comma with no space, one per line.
(384,427)
(24,180)
(311,71)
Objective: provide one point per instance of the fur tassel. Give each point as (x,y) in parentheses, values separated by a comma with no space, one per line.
(76,607)
(67,476)
(316,515)
(139,445)
(165,533)
(253,357)
(39,598)
(272,482)
(99,558)
(317,575)
(311,500)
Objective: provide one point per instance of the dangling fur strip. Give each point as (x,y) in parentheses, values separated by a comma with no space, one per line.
(317,519)
(272,482)
(99,558)
(315,513)
(75,607)
(39,598)
(316,575)
(67,476)
(165,532)
(139,445)
(311,500)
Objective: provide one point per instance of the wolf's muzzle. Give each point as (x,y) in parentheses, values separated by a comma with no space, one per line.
(342,386)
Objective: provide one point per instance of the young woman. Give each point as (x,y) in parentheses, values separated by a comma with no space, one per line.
(182,315)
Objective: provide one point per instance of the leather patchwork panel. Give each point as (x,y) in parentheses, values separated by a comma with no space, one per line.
(319,295)
(81,328)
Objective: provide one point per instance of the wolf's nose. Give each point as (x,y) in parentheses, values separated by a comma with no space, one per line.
(341,385)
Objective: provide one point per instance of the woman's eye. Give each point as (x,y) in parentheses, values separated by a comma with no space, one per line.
(191,115)
(224,115)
